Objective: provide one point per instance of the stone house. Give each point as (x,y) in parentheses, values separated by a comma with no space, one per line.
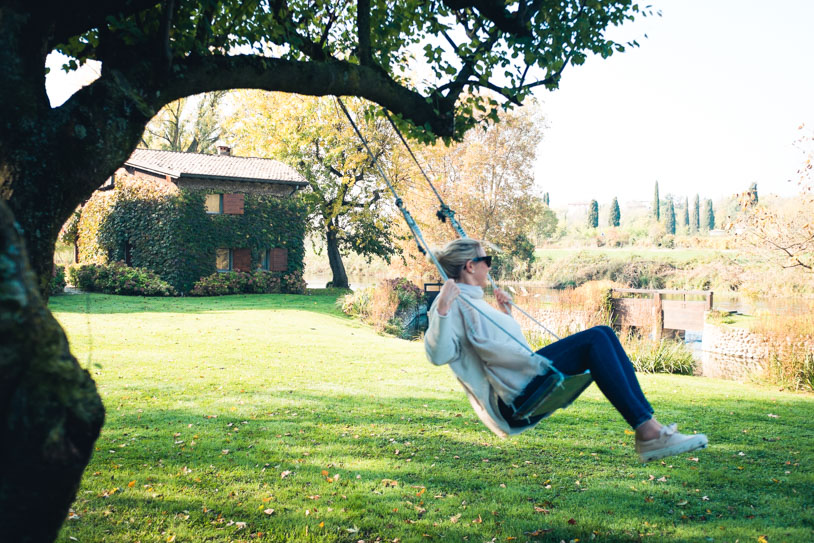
(188,215)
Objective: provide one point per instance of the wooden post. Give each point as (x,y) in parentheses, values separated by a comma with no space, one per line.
(709,301)
(658,317)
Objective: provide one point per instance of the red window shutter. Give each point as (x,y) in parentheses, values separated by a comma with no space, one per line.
(279,260)
(241,260)
(233,204)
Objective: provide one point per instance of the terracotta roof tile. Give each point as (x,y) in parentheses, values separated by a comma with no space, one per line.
(177,164)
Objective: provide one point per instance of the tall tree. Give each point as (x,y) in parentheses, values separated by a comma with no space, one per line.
(670,217)
(695,218)
(593,214)
(656,203)
(615,215)
(546,200)
(708,220)
(783,235)
(753,193)
(686,219)
(152,53)
(312,135)
(187,125)
(487,179)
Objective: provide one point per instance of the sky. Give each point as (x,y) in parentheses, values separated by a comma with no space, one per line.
(709,103)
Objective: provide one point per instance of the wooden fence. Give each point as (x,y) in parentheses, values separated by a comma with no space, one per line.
(657,313)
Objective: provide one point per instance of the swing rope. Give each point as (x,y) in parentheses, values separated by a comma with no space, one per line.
(419,238)
(446,212)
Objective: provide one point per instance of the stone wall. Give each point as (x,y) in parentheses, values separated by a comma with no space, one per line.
(732,353)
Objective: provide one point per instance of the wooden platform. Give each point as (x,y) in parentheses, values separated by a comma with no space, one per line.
(648,308)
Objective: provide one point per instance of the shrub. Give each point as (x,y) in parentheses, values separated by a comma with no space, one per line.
(256,282)
(220,284)
(57,285)
(356,303)
(389,307)
(790,342)
(665,356)
(293,282)
(118,278)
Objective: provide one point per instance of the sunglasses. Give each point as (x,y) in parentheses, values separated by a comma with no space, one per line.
(487,259)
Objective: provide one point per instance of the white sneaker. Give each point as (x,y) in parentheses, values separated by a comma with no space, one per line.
(669,443)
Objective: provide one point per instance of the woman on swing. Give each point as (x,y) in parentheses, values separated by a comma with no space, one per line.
(498,373)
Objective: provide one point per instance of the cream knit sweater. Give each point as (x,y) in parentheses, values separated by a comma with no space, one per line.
(488,363)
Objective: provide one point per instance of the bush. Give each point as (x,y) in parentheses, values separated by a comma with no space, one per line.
(118,278)
(790,342)
(389,307)
(293,282)
(665,356)
(356,303)
(256,282)
(57,284)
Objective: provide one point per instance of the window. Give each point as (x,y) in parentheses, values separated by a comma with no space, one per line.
(274,260)
(233,259)
(214,203)
(232,204)
(223,259)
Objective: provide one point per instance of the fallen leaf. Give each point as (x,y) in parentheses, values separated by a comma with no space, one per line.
(572,521)
(536,533)
(131,484)
(682,503)
(773,416)
(285,474)
(268,511)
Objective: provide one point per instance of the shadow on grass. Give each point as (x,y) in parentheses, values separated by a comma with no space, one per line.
(578,466)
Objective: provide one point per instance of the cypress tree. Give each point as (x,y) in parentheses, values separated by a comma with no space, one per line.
(615,215)
(709,216)
(593,214)
(656,203)
(686,221)
(753,193)
(545,199)
(670,218)
(695,219)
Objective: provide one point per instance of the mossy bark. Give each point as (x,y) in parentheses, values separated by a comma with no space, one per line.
(50,410)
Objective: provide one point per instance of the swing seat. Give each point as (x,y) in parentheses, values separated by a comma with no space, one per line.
(555,391)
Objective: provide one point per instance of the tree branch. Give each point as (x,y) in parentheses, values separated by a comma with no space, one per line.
(514,23)
(363,24)
(338,78)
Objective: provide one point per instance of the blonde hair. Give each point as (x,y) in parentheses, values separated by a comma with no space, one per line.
(456,253)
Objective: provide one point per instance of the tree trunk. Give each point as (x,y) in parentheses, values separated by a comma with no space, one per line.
(340,278)
(50,411)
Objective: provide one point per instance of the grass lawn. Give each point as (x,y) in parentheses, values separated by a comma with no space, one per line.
(276,418)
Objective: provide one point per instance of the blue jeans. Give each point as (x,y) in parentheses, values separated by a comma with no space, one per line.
(598,350)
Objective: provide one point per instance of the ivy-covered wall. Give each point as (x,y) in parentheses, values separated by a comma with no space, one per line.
(170,233)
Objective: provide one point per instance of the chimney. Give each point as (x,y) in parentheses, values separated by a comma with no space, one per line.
(224,149)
